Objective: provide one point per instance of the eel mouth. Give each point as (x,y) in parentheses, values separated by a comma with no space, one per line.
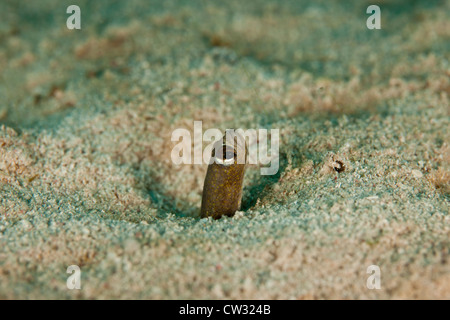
(232,149)
(226,155)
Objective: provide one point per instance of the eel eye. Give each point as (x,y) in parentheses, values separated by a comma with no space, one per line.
(228,153)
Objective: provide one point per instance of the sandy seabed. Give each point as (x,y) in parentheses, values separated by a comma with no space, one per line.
(86,176)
